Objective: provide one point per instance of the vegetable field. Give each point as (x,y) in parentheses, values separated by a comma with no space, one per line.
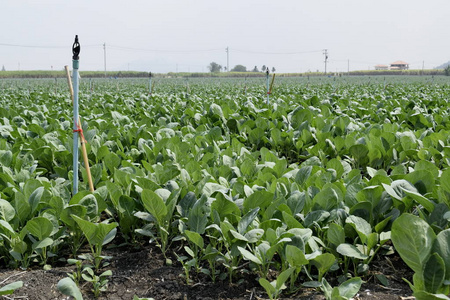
(306,192)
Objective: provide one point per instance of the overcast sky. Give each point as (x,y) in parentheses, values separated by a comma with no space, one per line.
(183,35)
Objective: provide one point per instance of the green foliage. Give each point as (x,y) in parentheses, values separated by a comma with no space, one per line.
(315,183)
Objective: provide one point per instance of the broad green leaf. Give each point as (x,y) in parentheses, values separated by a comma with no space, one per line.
(336,234)
(423,295)
(66,214)
(195,238)
(270,289)
(40,227)
(249,256)
(350,251)
(42,243)
(10,288)
(95,232)
(7,211)
(350,288)
(282,278)
(112,162)
(434,273)
(69,288)
(323,262)
(426,203)
(35,198)
(247,219)
(412,238)
(441,246)
(361,226)
(295,257)
(154,205)
(259,199)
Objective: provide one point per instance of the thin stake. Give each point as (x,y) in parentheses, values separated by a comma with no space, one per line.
(83,144)
(268,86)
(271,84)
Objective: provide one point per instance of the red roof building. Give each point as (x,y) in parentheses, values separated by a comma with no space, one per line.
(399,65)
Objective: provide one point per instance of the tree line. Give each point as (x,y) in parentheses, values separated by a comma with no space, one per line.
(215,67)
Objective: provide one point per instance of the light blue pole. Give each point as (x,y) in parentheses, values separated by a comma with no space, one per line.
(268,87)
(75,65)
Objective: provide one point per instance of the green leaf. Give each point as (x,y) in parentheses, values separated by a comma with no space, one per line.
(69,288)
(270,289)
(154,205)
(295,257)
(42,243)
(7,211)
(336,234)
(361,226)
(195,238)
(247,219)
(112,161)
(350,251)
(282,278)
(323,262)
(442,246)
(259,199)
(423,295)
(35,198)
(412,238)
(66,214)
(249,256)
(350,288)
(95,232)
(10,288)
(426,203)
(40,227)
(434,273)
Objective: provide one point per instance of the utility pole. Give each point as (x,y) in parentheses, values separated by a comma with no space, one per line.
(325,52)
(104,56)
(423,67)
(227,50)
(348,67)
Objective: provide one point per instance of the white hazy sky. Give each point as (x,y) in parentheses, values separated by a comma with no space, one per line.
(186,35)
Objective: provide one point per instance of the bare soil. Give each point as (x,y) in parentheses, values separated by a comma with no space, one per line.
(143,272)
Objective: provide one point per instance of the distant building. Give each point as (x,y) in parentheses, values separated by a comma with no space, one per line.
(399,65)
(381,67)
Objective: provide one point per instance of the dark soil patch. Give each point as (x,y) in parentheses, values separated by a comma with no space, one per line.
(143,273)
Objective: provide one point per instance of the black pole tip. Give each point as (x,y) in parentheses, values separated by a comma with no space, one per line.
(76,49)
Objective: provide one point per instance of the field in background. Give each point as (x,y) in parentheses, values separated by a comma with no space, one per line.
(310,190)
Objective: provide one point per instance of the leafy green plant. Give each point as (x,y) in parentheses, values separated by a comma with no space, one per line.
(275,287)
(345,291)
(97,234)
(161,215)
(99,282)
(425,253)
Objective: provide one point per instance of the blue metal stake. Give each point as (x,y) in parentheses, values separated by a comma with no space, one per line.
(75,65)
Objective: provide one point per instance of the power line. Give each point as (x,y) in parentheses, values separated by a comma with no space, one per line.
(276,53)
(162,50)
(43,47)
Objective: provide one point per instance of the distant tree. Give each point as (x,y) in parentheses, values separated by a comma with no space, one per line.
(3,68)
(239,68)
(225,69)
(273,70)
(447,71)
(255,69)
(263,68)
(214,67)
